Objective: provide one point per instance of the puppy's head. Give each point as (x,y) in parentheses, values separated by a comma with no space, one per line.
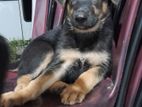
(87,15)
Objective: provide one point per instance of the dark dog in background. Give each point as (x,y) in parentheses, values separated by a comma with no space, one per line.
(4,59)
(74,57)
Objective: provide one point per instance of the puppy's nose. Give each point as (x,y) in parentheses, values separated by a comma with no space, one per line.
(80,18)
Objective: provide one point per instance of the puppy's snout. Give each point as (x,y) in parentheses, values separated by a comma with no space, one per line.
(80,17)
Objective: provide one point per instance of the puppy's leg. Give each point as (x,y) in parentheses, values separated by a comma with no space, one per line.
(76,92)
(22,82)
(31,92)
(35,88)
(58,86)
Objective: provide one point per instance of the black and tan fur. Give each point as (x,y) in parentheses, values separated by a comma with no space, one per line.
(74,57)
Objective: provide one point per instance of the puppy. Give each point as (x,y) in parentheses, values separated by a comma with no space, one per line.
(74,57)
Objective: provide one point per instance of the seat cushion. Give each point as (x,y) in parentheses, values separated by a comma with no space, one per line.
(98,97)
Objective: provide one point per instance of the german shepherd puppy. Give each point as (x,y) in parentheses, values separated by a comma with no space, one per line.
(75,56)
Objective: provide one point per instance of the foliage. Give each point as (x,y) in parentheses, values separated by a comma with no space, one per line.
(16,48)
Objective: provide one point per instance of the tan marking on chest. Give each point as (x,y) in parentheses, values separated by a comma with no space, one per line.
(94,58)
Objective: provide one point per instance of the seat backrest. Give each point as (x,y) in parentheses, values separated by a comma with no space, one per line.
(126,24)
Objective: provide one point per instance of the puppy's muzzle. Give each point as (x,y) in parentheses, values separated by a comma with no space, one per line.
(80,17)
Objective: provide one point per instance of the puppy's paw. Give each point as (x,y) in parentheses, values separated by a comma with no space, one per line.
(6,99)
(73,94)
(10,99)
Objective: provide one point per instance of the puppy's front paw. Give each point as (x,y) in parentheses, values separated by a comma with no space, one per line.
(10,99)
(6,99)
(73,94)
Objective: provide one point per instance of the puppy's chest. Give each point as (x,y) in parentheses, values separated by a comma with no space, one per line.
(91,57)
(80,62)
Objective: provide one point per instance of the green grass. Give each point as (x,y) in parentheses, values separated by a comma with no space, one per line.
(15,46)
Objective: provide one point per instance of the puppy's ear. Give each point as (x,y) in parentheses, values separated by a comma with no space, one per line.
(104,6)
(69,8)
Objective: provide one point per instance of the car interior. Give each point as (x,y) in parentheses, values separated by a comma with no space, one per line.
(114,91)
